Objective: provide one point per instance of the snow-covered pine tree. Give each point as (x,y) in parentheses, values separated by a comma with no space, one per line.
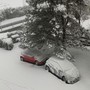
(54,21)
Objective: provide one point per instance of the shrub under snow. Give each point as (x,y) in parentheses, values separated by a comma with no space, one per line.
(60,7)
(43,5)
(7,43)
(8,40)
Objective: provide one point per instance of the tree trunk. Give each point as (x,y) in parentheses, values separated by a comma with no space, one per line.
(64,32)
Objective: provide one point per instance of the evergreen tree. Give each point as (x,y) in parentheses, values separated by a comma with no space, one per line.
(54,21)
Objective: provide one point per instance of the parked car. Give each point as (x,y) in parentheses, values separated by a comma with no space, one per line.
(7,43)
(9,34)
(34,56)
(15,38)
(63,68)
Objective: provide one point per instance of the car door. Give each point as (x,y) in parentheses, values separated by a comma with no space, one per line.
(58,69)
(29,58)
(54,68)
(51,66)
(60,73)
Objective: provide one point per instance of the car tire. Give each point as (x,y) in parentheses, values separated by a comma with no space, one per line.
(36,63)
(63,78)
(47,68)
(22,59)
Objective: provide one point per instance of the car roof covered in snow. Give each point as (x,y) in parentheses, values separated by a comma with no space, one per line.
(32,51)
(63,63)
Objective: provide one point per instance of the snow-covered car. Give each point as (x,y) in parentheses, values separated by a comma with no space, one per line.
(15,38)
(63,68)
(34,56)
(7,43)
(9,34)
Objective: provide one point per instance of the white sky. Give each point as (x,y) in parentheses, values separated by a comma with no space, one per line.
(11,3)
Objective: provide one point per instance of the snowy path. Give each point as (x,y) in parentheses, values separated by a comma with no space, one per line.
(17,75)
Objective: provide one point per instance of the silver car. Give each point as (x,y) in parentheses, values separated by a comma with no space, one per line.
(63,69)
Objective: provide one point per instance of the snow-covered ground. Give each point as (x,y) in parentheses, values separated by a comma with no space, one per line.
(18,75)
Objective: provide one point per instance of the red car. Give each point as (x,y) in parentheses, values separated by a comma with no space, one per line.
(34,56)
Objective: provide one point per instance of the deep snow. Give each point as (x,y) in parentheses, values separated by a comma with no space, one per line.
(18,75)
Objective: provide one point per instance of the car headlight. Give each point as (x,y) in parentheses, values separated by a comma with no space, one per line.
(69,77)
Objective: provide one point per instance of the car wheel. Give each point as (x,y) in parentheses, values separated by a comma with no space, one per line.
(36,63)
(47,68)
(64,79)
(22,59)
